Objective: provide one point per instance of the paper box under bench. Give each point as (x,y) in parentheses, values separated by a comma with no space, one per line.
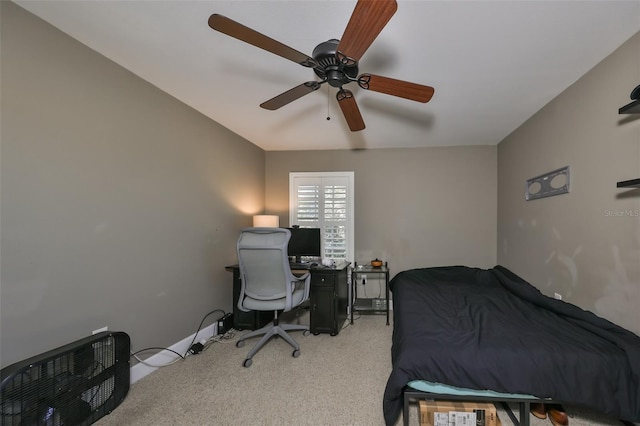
(447,413)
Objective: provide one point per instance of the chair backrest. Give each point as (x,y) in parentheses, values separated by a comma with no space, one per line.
(264,263)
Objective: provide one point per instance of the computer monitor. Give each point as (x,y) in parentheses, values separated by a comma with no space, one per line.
(304,242)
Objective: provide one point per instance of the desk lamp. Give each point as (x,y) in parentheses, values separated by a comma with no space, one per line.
(266,221)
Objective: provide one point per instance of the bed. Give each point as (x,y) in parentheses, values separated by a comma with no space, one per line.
(488,329)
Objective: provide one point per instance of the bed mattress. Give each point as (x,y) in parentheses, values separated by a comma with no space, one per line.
(489,329)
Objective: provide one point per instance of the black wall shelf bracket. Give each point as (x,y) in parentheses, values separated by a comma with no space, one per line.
(633,183)
(633,107)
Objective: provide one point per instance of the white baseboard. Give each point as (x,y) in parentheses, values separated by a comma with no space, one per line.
(166,357)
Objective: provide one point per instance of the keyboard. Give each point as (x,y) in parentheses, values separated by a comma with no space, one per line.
(295,265)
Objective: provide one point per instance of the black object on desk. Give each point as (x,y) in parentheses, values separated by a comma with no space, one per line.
(328,300)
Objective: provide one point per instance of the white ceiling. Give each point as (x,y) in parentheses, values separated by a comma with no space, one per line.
(493,64)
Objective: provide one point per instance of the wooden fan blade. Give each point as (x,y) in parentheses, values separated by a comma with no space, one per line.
(391,86)
(290,95)
(369,17)
(350,110)
(236,30)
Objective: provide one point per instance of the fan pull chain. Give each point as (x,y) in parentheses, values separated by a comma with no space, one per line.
(328,117)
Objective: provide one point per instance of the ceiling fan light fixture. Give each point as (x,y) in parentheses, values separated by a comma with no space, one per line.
(336,78)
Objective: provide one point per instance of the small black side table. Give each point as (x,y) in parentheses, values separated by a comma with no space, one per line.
(369,306)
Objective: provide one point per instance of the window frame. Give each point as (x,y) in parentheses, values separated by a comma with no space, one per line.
(320,179)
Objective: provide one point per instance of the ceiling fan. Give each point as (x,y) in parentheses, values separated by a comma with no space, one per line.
(334,61)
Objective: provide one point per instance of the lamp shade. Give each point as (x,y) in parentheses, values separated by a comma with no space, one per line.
(266,221)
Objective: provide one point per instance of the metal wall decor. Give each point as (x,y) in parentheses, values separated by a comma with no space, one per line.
(548,184)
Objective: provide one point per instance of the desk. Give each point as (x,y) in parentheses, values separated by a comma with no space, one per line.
(328,301)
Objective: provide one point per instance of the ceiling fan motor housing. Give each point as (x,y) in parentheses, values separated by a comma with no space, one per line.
(329,68)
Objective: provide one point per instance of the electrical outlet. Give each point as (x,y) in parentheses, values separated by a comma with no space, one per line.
(364,279)
(557,296)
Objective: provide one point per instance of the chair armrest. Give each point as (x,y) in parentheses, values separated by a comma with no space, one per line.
(307,284)
(304,279)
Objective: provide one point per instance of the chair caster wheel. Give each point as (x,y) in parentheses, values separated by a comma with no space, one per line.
(247,363)
(315,334)
(239,343)
(296,353)
(306,333)
(333,334)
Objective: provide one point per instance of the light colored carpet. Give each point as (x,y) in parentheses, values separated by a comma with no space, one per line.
(337,380)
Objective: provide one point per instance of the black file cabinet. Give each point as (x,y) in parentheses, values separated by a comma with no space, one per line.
(329,299)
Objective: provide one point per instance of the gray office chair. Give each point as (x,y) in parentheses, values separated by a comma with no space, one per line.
(268,284)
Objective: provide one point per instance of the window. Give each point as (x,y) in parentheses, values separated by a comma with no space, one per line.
(325,200)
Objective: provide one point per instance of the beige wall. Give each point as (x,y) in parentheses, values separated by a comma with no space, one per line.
(120,205)
(584,245)
(414,207)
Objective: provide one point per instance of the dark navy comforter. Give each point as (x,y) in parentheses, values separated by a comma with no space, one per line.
(490,329)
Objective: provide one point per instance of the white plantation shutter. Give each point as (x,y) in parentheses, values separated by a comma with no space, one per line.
(325,201)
